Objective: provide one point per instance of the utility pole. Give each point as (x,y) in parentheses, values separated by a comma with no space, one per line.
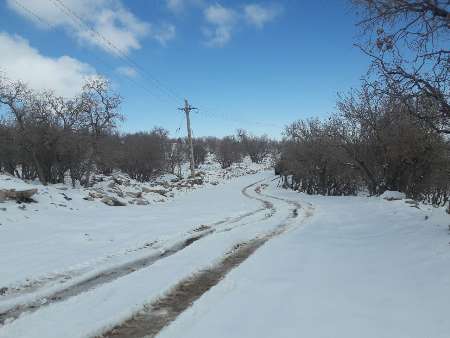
(187,109)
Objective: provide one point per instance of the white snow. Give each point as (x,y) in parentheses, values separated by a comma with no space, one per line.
(55,240)
(347,266)
(63,236)
(360,267)
(393,195)
(119,299)
(10,182)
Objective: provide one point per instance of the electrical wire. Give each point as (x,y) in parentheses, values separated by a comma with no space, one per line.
(118,52)
(129,60)
(101,61)
(174,96)
(33,14)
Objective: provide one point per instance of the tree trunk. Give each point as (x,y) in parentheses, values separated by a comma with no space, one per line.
(39,169)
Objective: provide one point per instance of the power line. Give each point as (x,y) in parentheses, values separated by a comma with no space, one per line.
(211,114)
(99,60)
(82,24)
(32,14)
(119,52)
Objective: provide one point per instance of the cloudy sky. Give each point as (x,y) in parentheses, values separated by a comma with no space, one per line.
(252,64)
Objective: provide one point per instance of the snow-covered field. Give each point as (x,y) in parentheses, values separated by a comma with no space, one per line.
(343,267)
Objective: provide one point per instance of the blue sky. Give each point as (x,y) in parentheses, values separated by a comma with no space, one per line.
(256,65)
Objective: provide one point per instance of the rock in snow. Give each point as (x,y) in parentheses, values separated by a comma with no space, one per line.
(18,195)
(113,202)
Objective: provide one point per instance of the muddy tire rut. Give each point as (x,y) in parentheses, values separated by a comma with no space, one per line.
(157,315)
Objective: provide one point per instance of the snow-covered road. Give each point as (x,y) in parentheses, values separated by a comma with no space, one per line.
(360,267)
(245,259)
(243,215)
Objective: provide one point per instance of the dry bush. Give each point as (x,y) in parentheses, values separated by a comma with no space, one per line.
(255,147)
(229,151)
(373,143)
(143,155)
(48,136)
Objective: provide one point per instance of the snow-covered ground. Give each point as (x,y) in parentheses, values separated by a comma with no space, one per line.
(63,236)
(117,300)
(360,267)
(344,267)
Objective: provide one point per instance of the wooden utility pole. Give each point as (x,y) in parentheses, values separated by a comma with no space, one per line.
(187,109)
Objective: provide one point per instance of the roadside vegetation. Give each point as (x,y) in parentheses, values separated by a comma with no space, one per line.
(54,139)
(392,133)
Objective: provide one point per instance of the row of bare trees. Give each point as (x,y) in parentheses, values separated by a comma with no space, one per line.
(372,143)
(50,138)
(232,149)
(46,136)
(393,133)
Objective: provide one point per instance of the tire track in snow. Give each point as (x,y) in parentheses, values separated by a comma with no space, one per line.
(295,204)
(116,272)
(155,316)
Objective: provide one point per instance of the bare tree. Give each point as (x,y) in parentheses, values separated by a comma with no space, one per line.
(101,110)
(50,136)
(372,143)
(391,148)
(314,162)
(229,151)
(409,41)
(29,110)
(144,155)
(10,155)
(177,153)
(200,152)
(255,147)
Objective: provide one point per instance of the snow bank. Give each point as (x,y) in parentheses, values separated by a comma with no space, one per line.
(10,182)
(393,195)
(120,188)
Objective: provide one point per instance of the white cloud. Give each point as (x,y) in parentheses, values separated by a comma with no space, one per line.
(110,18)
(177,6)
(127,71)
(222,21)
(258,15)
(164,33)
(19,61)
(219,15)
(119,27)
